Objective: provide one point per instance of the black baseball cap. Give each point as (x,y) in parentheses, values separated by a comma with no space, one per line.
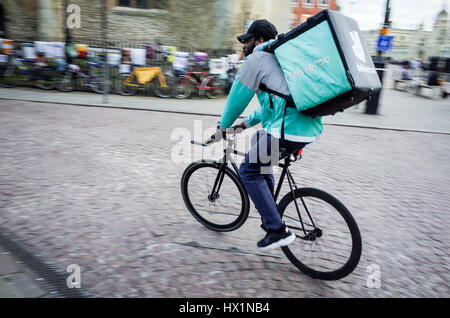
(259,28)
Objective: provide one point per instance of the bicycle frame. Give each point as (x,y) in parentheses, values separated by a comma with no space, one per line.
(145,75)
(89,79)
(22,69)
(285,173)
(201,82)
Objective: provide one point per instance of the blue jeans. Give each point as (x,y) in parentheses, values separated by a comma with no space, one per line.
(257,176)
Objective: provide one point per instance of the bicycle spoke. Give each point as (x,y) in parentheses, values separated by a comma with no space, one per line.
(328,244)
(221,207)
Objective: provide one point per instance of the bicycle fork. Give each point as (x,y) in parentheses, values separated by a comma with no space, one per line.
(309,235)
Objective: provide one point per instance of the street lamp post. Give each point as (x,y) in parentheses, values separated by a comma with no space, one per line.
(105,59)
(378,61)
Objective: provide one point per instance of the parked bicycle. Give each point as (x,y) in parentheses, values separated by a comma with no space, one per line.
(20,69)
(72,76)
(202,82)
(140,77)
(328,244)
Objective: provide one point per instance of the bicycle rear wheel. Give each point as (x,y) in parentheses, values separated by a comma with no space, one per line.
(66,82)
(167,91)
(9,77)
(45,78)
(126,89)
(183,88)
(223,210)
(214,89)
(328,242)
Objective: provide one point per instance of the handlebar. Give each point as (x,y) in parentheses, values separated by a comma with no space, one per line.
(199,143)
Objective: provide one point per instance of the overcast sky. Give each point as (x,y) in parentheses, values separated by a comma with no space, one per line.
(404,13)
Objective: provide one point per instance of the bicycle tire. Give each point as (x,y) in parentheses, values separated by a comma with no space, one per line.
(123,89)
(183,88)
(47,81)
(164,92)
(8,77)
(45,86)
(215,91)
(66,82)
(354,255)
(97,82)
(237,221)
(100,88)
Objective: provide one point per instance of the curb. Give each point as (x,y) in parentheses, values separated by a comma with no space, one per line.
(215,115)
(54,279)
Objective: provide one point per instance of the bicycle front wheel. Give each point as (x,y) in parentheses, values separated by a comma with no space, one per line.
(124,88)
(222,208)
(328,242)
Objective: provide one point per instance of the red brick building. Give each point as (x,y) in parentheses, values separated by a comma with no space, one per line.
(303,9)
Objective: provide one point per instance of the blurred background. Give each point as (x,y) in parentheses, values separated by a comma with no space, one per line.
(180,36)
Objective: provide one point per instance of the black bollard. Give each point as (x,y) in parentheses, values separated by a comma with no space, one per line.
(372,103)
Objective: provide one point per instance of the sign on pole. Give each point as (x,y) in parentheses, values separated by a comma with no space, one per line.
(384,42)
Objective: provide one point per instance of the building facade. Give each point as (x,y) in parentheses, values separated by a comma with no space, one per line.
(415,43)
(303,9)
(212,24)
(194,23)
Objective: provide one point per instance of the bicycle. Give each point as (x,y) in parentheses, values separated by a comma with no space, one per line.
(141,76)
(94,78)
(18,70)
(216,197)
(205,83)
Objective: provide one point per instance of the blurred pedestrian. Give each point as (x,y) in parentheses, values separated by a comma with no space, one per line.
(434,79)
(406,72)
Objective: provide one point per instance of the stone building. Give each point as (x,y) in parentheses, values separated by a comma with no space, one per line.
(303,9)
(196,23)
(200,23)
(415,43)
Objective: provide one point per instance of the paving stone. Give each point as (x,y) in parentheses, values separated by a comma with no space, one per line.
(98,188)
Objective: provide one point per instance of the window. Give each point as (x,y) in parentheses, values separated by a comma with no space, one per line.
(143,4)
(308,3)
(294,3)
(124,3)
(324,3)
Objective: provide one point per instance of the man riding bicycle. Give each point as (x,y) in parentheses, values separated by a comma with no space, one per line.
(285,130)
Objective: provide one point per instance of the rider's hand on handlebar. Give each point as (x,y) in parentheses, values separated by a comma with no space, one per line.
(218,135)
(221,133)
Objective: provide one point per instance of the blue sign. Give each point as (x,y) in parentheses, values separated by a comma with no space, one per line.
(384,43)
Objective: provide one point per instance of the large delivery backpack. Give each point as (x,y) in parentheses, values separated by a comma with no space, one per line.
(326,64)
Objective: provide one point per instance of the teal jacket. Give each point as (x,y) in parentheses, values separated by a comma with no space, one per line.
(262,67)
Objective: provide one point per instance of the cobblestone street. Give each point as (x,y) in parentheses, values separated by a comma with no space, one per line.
(98,187)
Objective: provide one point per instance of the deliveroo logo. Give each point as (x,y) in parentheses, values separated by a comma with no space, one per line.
(357,46)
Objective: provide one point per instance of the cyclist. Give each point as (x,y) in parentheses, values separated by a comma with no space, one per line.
(285,130)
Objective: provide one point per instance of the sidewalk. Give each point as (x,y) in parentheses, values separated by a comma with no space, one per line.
(18,281)
(397,110)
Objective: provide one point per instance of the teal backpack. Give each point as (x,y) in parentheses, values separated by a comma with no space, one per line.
(326,65)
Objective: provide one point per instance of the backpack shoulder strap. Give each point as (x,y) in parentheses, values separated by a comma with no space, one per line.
(289,103)
(288,98)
